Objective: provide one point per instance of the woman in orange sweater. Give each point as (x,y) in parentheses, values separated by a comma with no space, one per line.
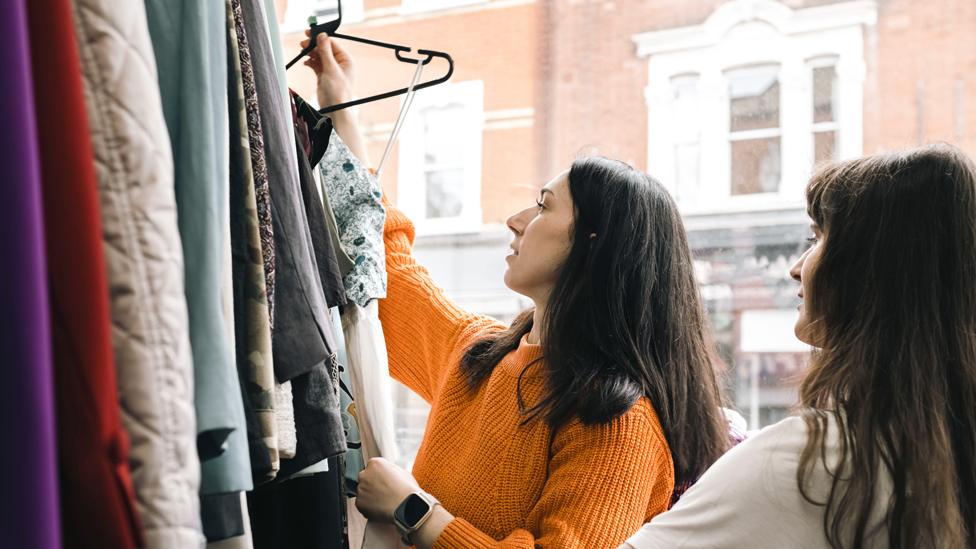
(568,428)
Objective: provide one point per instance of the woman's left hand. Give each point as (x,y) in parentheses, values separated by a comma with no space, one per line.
(382,487)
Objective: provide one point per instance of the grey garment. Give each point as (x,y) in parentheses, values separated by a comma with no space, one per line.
(345,262)
(189,42)
(222,515)
(315,395)
(144,261)
(322,243)
(302,337)
(317,421)
(356,196)
(274,36)
(243,541)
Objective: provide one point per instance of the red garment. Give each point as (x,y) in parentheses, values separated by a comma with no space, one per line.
(97,499)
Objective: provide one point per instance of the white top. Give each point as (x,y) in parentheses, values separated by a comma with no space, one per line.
(750,499)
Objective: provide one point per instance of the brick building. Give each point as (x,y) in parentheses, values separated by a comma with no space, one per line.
(729,103)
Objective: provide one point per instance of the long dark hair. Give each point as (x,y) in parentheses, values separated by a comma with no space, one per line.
(894,295)
(624,319)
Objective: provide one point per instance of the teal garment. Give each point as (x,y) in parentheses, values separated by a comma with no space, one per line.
(189,42)
(354,453)
(271,20)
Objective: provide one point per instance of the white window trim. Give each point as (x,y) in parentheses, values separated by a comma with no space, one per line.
(762,133)
(775,34)
(296,15)
(409,7)
(410,187)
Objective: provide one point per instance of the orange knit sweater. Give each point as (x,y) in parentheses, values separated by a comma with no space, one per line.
(511,485)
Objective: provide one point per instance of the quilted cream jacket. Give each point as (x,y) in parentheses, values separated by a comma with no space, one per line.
(145,267)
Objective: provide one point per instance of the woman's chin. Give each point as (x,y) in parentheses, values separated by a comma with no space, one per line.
(802,331)
(511,282)
(507,279)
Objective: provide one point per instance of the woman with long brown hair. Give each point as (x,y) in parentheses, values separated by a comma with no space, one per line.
(568,428)
(882,451)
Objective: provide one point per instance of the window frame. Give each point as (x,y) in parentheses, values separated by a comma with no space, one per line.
(823,127)
(728,40)
(412,167)
(688,135)
(409,7)
(754,134)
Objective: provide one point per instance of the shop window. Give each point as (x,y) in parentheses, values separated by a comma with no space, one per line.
(439,174)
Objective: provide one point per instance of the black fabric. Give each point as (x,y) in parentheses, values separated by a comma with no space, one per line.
(312,394)
(261,468)
(319,129)
(302,337)
(322,245)
(321,135)
(302,513)
(212,443)
(222,516)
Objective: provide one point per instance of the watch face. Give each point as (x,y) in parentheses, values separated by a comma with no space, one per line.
(414,509)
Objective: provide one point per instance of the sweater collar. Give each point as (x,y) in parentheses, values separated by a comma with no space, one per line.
(525,353)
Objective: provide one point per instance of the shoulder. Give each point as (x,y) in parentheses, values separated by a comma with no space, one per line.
(777,446)
(783,435)
(762,469)
(479,326)
(638,427)
(748,498)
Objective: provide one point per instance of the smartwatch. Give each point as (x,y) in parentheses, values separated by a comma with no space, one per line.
(412,513)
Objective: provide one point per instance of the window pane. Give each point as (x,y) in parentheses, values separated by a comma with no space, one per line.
(442,125)
(686,168)
(755,166)
(824,147)
(754,98)
(444,189)
(824,94)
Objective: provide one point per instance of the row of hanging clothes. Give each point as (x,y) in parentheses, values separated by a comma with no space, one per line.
(192,261)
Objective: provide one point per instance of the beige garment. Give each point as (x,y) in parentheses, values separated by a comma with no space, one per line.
(144,257)
(355,524)
(369,375)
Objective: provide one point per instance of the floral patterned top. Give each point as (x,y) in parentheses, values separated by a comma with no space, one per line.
(355,196)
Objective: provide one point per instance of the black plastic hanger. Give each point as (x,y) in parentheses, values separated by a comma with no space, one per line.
(330,28)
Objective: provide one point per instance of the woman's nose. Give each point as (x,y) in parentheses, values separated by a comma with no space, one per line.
(798,266)
(516,223)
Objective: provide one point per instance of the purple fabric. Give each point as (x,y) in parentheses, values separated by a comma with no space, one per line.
(29,497)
